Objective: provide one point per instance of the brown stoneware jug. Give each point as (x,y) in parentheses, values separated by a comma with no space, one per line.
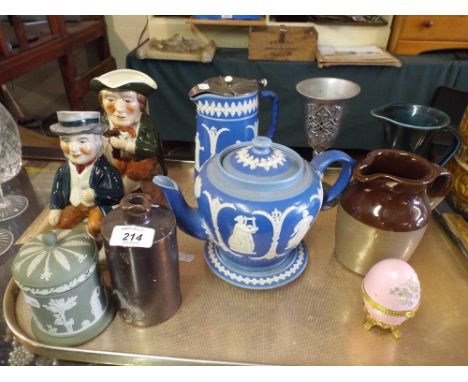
(385,210)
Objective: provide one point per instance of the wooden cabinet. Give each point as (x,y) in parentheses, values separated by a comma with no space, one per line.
(412,35)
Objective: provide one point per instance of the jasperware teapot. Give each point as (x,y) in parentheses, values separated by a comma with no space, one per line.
(256,201)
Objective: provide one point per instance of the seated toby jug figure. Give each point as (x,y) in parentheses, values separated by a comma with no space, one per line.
(86,185)
(134,147)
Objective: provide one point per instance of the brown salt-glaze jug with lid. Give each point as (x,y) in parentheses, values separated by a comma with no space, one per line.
(385,210)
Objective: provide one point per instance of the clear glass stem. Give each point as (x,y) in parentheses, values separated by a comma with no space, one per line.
(4,202)
(316,152)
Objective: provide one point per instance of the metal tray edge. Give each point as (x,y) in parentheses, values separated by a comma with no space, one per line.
(78,354)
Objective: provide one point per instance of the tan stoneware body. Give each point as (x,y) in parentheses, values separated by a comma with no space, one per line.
(385,210)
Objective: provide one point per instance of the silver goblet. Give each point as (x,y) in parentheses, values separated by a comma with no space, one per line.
(325,102)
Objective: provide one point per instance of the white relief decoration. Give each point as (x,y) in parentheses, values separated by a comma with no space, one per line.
(95,302)
(254,128)
(97,310)
(317,196)
(213,134)
(197,185)
(276,159)
(198,148)
(300,230)
(241,239)
(59,307)
(62,288)
(226,109)
(208,233)
(261,281)
(215,207)
(39,253)
(276,219)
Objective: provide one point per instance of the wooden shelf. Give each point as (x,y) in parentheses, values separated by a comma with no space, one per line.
(227,22)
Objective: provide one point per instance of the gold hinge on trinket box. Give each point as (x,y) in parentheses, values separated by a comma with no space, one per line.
(396,313)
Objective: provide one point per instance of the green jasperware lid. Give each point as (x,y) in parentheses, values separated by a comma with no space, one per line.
(55,261)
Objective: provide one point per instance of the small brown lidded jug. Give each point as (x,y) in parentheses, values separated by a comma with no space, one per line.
(385,210)
(145,278)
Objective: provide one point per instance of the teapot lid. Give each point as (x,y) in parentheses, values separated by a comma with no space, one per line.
(227,86)
(260,170)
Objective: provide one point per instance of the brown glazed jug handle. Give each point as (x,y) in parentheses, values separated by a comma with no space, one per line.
(439,187)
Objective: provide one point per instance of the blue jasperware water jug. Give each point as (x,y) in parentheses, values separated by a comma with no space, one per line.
(227,113)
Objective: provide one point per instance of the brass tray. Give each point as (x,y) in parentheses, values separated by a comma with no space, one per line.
(315,320)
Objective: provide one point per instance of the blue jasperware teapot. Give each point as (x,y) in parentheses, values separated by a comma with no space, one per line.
(256,202)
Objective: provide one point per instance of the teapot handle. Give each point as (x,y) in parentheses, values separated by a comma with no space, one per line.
(274,111)
(322,161)
(440,186)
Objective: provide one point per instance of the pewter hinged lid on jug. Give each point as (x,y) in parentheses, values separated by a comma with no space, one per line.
(227,86)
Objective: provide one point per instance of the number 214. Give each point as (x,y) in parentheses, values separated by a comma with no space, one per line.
(132,236)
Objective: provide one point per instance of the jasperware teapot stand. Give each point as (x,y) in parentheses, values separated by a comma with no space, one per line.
(289,269)
(256,202)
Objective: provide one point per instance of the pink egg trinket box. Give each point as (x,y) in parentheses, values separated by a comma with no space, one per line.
(391,293)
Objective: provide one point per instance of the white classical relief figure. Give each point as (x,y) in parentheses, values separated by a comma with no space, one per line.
(241,239)
(300,230)
(276,219)
(95,302)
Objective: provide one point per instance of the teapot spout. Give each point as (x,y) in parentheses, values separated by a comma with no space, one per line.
(188,218)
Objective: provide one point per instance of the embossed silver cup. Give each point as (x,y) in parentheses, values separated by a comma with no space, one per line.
(325,103)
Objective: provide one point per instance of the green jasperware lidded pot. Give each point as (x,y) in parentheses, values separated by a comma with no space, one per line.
(59,276)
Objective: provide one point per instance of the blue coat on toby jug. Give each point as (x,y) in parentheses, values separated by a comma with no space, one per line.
(256,201)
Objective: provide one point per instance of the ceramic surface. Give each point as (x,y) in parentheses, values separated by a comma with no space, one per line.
(256,202)
(389,204)
(86,185)
(393,285)
(227,113)
(413,128)
(58,275)
(132,142)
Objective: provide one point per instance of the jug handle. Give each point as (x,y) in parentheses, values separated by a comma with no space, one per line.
(274,110)
(322,161)
(454,149)
(439,187)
